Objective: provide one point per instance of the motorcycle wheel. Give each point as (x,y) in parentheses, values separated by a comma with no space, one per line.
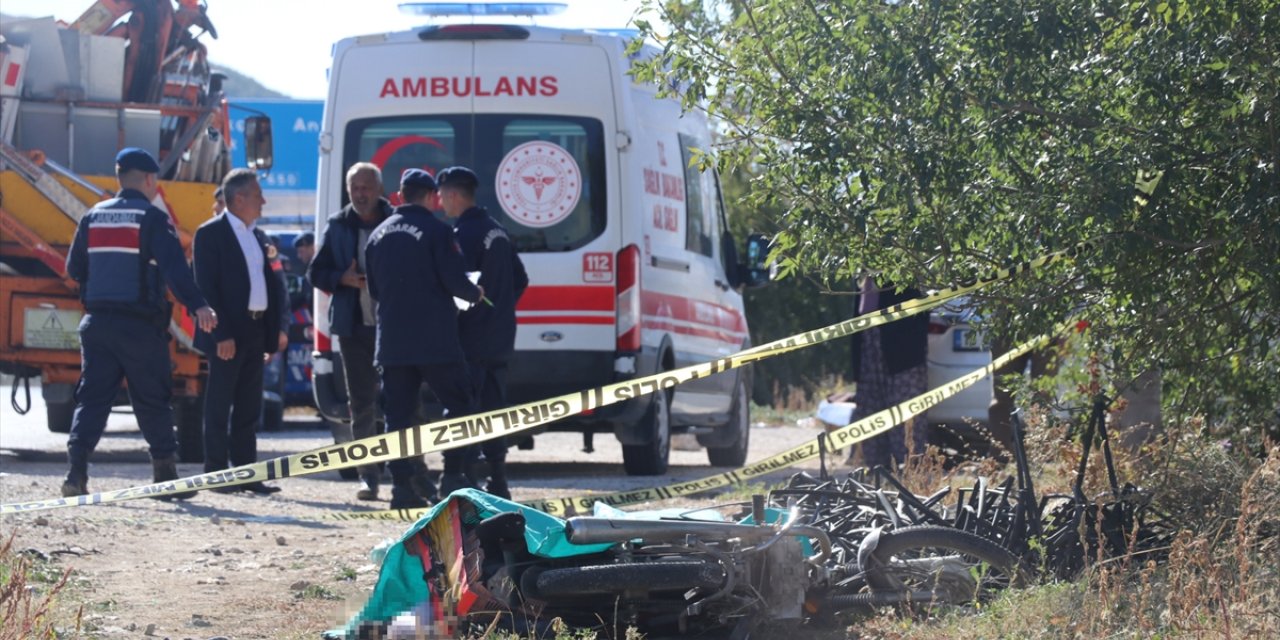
(931,565)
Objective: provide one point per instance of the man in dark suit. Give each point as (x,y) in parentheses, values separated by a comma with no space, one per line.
(234,273)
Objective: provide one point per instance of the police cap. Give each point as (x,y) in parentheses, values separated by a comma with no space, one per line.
(417,178)
(135,159)
(459,178)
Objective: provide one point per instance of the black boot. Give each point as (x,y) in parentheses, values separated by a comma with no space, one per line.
(77,482)
(453,481)
(405,496)
(164,470)
(497,484)
(419,480)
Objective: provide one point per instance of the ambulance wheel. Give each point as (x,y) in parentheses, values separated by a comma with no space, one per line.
(651,459)
(735,454)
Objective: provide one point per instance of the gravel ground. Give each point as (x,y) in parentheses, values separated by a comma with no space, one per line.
(246,566)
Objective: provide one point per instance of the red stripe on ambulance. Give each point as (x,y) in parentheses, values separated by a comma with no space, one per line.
(566,298)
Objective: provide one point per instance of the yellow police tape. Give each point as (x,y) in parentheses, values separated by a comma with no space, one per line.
(468,430)
(841,438)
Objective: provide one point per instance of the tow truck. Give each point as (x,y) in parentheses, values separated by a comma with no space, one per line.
(127,73)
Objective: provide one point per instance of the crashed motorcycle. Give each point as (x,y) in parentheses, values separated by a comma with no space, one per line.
(490,565)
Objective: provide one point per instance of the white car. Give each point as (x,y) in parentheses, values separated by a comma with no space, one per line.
(956,348)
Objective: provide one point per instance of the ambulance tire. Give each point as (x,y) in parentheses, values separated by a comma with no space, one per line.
(735,454)
(651,459)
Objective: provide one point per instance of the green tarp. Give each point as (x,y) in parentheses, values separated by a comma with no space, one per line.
(400,584)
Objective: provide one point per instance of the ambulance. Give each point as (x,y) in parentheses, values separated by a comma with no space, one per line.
(631,265)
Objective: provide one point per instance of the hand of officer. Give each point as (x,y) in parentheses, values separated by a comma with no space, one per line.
(206,319)
(352,278)
(227,349)
(283,342)
(481,294)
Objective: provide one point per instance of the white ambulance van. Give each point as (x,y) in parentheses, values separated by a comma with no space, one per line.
(632,269)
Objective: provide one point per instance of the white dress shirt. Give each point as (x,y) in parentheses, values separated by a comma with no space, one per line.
(254,259)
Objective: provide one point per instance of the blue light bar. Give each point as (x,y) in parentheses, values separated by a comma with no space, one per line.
(444,9)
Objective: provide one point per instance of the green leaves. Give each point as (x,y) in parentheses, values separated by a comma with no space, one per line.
(930,141)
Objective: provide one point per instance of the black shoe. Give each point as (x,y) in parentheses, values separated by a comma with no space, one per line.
(259,488)
(406,497)
(224,489)
(450,482)
(164,470)
(72,487)
(77,481)
(421,485)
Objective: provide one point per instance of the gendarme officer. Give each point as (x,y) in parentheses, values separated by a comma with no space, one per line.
(487,331)
(415,272)
(124,252)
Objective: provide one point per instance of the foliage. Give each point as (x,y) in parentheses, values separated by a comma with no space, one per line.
(929,141)
(782,310)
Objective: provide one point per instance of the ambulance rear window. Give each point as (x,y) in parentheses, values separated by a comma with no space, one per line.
(541,176)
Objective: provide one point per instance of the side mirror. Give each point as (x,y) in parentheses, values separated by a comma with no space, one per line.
(257,142)
(757,271)
(729,256)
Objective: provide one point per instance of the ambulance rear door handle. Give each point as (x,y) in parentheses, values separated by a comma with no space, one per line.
(668,263)
(722,284)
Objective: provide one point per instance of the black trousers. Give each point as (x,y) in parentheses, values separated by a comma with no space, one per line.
(400,387)
(117,346)
(233,405)
(489,378)
(362,386)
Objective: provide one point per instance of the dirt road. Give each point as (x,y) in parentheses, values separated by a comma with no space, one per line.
(243,566)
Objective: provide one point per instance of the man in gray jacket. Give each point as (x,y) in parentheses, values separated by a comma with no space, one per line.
(338,269)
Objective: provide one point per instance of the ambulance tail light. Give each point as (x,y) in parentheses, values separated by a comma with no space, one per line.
(629,299)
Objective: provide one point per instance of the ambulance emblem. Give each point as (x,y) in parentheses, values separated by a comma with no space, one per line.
(538,184)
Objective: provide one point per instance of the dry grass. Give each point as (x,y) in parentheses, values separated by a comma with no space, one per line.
(28,592)
(1221,579)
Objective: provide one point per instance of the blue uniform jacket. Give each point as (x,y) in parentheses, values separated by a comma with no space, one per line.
(124,252)
(415,271)
(488,333)
(338,247)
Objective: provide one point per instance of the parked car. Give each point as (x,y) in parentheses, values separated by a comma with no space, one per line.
(957,348)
